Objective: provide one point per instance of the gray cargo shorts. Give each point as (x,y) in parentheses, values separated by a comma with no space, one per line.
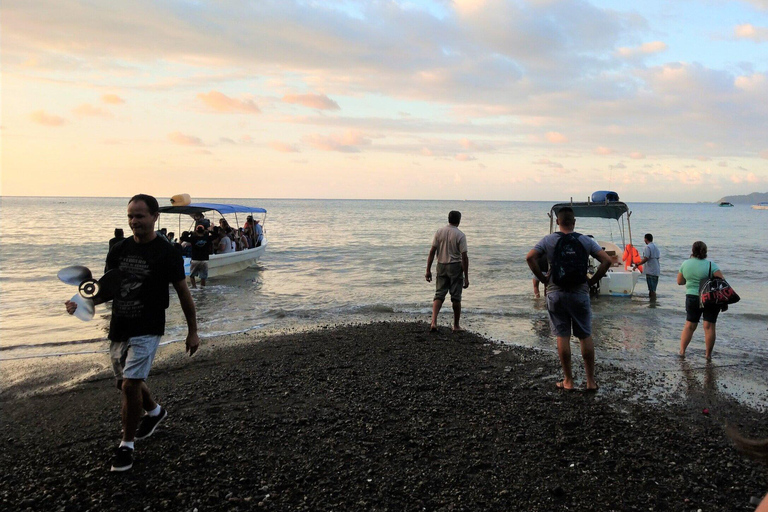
(450,278)
(132,359)
(569,310)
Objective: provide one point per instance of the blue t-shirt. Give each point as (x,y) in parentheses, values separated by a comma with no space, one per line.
(547,246)
(694,270)
(652,267)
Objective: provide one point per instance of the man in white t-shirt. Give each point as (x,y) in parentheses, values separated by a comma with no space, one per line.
(450,245)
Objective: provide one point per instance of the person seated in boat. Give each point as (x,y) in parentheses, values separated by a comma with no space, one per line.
(258,233)
(224,244)
(224,225)
(243,240)
(200,220)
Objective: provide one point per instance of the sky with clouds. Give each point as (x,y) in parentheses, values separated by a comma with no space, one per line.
(402,99)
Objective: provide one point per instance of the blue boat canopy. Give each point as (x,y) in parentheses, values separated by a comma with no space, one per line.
(207,207)
(609,210)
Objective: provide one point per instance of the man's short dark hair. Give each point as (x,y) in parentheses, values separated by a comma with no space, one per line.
(649,237)
(454,217)
(566,217)
(150,201)
(119,233)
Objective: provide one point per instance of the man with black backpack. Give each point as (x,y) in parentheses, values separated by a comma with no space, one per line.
(568,291)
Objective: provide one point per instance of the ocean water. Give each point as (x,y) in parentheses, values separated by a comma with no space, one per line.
(332,261)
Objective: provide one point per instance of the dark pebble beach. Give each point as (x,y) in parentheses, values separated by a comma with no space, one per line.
(382,416)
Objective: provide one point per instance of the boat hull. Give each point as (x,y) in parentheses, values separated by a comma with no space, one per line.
(223,264)
(619,283)
(759,207)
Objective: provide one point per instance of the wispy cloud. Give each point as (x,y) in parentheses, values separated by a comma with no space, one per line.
(348,142)
(316,101)
(220,102)
(87,110)
(45,119)
(112,99)
(283,147)
(556,138)
(184,140)
(642,50)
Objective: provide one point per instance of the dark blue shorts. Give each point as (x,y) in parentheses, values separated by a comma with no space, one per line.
(693,312)
(653,282)
(569,311)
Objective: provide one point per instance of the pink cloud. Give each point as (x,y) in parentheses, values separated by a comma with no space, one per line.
(222,103)
(636,155)
(556,137)
(348,142)
(643,49)
(703,158)
(602,150)
(317,101)
(749,178)
(764,154)
(86,110)
(112,99)
(749,31)
(184,140)
(463,157)
(41,117)
(426,151)
(283,147)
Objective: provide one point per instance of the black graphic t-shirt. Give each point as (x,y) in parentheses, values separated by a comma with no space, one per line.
(201,245)
(138,307)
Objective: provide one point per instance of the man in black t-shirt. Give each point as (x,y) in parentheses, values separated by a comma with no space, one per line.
(147,265)
(201,242)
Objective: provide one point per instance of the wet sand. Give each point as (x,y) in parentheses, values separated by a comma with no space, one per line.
(381,416)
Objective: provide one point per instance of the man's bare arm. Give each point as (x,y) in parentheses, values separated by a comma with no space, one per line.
(188,307)
(605,264)
(430,259)
(465,268)
(533,263)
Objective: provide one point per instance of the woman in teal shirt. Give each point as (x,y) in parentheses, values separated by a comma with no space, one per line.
(692,271)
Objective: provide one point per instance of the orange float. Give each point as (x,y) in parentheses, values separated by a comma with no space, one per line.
(631,257)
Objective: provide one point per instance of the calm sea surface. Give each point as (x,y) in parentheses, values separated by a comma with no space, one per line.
(339,261)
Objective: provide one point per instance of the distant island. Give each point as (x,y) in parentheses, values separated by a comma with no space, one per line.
(753,198)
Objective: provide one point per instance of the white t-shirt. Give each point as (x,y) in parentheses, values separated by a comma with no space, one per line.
(450,243)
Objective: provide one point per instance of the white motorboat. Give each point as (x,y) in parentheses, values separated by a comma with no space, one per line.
(620,280)
(760,206)
(228,263)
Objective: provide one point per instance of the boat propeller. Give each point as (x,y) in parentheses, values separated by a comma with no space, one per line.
(90,291)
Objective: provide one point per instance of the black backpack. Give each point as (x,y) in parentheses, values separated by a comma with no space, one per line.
(569,265)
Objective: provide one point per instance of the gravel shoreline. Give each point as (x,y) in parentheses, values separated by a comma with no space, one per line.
(382,416)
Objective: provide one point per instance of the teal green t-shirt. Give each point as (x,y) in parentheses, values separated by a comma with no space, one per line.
(694,270)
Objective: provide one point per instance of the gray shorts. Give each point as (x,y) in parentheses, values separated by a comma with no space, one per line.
(566,310)
(450,277)
(198,269)
(132,359)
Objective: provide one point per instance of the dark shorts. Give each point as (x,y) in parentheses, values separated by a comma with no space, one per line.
(450,278)
(693,312)
(653,282)
(569,310)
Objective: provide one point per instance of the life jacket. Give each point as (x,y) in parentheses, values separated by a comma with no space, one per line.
(631,256)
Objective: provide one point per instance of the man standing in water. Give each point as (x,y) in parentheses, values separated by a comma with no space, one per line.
(147,264)
(650,259)
(450,245)
(568,291)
